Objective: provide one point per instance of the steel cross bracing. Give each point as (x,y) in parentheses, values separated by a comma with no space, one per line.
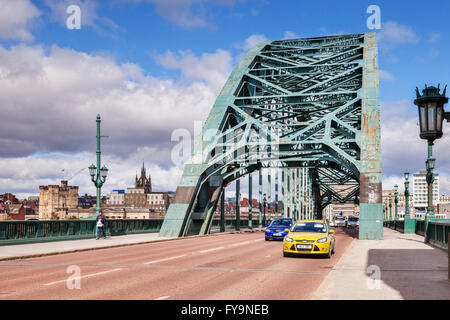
(290,104)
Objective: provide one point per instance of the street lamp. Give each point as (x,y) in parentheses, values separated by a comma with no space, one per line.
(409,224)
(406,174)
(431,115)
(98,175)
(396,202)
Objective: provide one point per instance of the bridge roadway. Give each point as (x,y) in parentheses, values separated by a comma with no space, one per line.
(226,266)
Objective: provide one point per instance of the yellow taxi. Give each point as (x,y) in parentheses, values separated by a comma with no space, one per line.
(309,237)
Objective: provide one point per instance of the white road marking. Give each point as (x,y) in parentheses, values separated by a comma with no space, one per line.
(166,259)
(162,298)
(258,240)
(86,276)
(240,243)
(213,249)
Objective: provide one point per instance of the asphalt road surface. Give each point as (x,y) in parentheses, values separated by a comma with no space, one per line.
(228,266)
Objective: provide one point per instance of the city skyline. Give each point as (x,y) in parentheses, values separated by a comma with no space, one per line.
(149,84)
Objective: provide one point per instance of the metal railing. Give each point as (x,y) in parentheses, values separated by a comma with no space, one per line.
(398,225)
(437,233)
(33,231)
(420,227)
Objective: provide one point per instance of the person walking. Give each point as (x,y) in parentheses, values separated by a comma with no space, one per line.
(101,225)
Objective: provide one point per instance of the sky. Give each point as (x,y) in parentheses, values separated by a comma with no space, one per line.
(153,69)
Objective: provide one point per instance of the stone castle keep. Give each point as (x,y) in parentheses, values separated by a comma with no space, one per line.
(55,201)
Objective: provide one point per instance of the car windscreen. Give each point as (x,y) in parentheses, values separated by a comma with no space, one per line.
(352,219)
(309,227)
(340,218)
(281,222)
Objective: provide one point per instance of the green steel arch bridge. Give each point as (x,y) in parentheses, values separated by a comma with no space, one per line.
(308,107)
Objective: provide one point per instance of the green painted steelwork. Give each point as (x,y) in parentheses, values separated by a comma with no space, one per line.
(32,231)
(303,103)
(19,232)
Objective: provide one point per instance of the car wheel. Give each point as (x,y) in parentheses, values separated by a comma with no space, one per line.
(328,255)
(267,239)
(285,254)
(332,251)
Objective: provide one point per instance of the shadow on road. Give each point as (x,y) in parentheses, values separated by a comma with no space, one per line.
(414,273)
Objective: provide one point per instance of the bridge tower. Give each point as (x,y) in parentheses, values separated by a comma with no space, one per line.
(307,106)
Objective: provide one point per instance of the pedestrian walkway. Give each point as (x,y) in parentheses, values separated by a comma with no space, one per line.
(21,251)
(407,269)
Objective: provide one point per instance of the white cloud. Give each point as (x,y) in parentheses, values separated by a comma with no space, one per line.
(433,37)
(50,99)
(212,68)
(186,13)
(401,147)
(290,35)
(394,34)
(385,75)
(24,175)
(90,16)
(251,41)
(16,17)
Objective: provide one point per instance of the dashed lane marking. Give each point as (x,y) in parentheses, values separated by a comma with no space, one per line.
(213,249)
(86,276)
(165,259)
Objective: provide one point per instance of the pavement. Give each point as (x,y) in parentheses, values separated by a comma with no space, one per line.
(23,251)
(399,267)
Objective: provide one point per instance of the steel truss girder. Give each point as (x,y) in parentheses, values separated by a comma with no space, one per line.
(288,104)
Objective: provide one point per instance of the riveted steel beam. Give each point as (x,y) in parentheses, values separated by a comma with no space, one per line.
(307,106)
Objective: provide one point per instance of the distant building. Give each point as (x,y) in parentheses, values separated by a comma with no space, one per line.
(12,212)
(9,198)
(144,182)
(345,209)
(116,198)
(135,198)
(87,201)
(56,201)
(141,196)
(443,210)
(158,202)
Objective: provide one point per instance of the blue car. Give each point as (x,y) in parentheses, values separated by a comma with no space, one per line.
(275,230)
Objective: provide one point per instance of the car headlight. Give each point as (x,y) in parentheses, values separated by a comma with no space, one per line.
(268,230)
(322,240)
(288,239)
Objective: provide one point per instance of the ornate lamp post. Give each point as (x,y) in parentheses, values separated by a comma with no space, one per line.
(431,115)
(396,202)
(409,224)
(390,207)
(98,175)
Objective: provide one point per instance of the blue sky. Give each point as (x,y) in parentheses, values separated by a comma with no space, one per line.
(152,66)
(138,32)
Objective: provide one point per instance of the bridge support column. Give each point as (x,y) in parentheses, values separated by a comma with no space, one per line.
(222,211)
(371,208)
